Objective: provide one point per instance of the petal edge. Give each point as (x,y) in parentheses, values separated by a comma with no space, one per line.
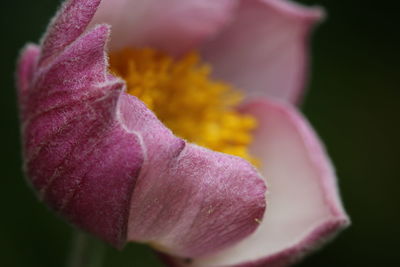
(304,207)
(269,39)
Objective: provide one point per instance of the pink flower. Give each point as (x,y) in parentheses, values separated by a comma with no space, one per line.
(102,159)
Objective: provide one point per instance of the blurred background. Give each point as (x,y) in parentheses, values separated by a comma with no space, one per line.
(353,103)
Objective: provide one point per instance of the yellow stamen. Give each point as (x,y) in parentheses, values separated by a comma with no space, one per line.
(184,97)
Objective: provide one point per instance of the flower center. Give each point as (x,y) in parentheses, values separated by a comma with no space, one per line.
(185,98)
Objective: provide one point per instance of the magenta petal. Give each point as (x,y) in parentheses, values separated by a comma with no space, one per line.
(304,206)
(175,26)
(26,66)
(80,161)
(69,23)
(264,50)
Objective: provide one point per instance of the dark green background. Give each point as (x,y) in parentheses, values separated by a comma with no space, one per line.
(353,103)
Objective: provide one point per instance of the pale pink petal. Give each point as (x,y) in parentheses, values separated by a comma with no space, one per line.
(102,159)
(304,207)
(175,26)
(265,50)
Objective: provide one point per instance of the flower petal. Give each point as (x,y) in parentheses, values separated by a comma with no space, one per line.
(26,65)
(175,26)
(102,159)
(69,23)
(264,50)
(304,207)
(188,200)
(82,163)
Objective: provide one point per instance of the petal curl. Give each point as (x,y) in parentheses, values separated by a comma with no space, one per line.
(175,26)
(188,200)
(264,51)
(304,206)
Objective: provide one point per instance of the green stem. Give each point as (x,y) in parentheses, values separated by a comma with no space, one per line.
(85,251)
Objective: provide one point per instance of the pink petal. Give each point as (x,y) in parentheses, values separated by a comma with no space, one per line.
(26,65)
(304,206)
(26,68)
(175,26)
(188,200)
(100,158)
(264,50)
(70,139)
(69,23)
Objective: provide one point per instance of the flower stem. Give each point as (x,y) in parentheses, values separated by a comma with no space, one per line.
(86,251)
